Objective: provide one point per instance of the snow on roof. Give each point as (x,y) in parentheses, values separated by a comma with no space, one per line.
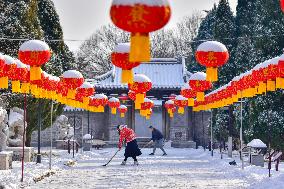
(214,46)
(69,109)
(122,48)
(34,45)
(165,73)
(72,74)
(86,85)
(9,60)
(1,56)
(198,76)
(256,143)
(145,2)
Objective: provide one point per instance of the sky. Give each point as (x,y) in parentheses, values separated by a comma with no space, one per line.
(81,18)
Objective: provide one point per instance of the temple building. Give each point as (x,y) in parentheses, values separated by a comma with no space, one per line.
(168,75)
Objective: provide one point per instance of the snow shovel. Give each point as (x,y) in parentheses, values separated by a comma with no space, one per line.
(111,158)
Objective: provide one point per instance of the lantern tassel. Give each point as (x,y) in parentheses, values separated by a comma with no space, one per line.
(16,86)
(148,117)
(113,110)
(122,115)
(140,47)
(101,109)
(181,110)
(171,115)
(127,76)
(200,96)
(71,94)
(270,85)
(35,73)
(139,98)
(25,88)
(86,101)
(212,74)
(4,82)
(190,102)
(137,106)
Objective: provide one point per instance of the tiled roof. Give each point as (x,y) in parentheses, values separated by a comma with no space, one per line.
(165,73)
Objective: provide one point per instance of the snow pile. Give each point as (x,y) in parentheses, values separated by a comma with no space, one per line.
(20,64)
(170,102)
(256,143)
(1,56)
(140,78)
(122,48)
(201,76)
(143,2)
(212,46)
(86,85)
(72,74)
(186,87)
(34,45)
(122,107)
(148,100)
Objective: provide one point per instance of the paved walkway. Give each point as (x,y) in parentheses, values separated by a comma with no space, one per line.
(180,169)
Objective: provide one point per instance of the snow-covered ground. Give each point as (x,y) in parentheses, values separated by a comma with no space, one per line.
(182,168)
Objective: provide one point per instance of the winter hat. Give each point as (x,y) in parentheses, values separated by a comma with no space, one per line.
(151,127)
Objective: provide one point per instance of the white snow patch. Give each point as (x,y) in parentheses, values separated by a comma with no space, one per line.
(87,137)
(9,60)
(144,2)
(201,76)
(20,64)
(72,74)
(34,45)
(256,143)
(100,96)
(122,107)
(122,48)
(140,78)
(86,85)
(180,97)
(113,99)
(212,46)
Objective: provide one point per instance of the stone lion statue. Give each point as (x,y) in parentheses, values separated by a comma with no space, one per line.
(16,127)
(61,123)
(4,130)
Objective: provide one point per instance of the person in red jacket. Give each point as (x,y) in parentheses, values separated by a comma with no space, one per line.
(128,136)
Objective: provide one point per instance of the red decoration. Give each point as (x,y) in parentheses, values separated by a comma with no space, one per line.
(113,103)
(99,101)
(188,93)
(120,58)
(84,91)
(140,86)
(212,54)
(71,80)
(170,106)
(34,53)
(122,109)
(282,5)
(181,102)
(140,18)
(199,84)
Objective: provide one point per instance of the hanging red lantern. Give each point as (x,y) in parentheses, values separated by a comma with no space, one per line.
(132,95)
(140,18)
(113,103)
(2,67)
(199,84)
(181,102)
(188,93)
(170,106)
(17,74)
(8,62)
(99,101)
(120,58)
(84,92)
(212,54)
(281,72)
(146,106)
(72,79)
(141,84)
(122,109)
(34,53)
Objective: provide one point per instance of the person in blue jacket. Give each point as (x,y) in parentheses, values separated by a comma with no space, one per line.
(158,139)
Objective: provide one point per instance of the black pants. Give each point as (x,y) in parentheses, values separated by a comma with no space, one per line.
(134,158)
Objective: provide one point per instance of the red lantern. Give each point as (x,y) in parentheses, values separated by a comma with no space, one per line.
(8,62)
(122,109)
(199,84)
(71,80)
(181,102)
(188,93)
(212,54)
(34,53)
(99,101)
(120,58)
(146,106)
(281,72)
(84,91)
(141,84)
(2,67)
(140,17)
(282,5)
(113,104)
(18,74)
